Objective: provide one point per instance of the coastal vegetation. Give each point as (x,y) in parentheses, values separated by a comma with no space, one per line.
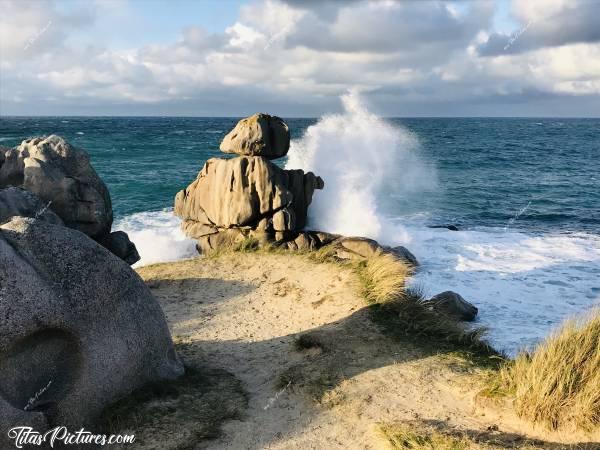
(558,384)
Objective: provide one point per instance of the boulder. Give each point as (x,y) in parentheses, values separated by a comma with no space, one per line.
(64,181)
(118,243)
(62,176)
(258,135)
(453,305)
(361,246)
(79,329)
(16,201)
(310,240)
(248,193)
(353,247)
(404,254)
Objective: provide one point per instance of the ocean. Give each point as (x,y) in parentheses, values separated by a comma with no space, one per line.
(523,192)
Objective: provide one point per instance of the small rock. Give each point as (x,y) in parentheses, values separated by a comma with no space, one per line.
(453,305)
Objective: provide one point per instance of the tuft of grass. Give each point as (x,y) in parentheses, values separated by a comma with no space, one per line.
(407,316)
(559,383)
(401,436)
(383,277)
(247,245)
(308,341)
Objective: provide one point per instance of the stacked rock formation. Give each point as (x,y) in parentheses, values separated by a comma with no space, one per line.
(248,195)
(60,177)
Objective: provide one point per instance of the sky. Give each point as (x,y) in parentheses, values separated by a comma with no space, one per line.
(294,58)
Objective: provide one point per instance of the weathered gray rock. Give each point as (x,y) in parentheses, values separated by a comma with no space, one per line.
(16,201)
(404,254)
(68,186)
(79,329)
(310,240)
(118,243)
(453,305)
(361,246)
(352,247)
(247,193)
(62,176)
(258,135)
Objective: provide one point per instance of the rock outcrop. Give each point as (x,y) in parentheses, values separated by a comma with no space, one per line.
(250,197)
(258,135)
(247,195)
(16,201)
(64,180)
(79,329)
(453,305)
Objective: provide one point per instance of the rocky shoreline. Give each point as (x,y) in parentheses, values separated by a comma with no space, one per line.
(79,328)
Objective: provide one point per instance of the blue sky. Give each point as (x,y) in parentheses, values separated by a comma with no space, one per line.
(296,57)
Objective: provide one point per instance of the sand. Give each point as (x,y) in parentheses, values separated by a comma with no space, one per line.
(243,313)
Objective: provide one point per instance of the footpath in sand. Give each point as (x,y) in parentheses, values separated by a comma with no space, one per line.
(316,371)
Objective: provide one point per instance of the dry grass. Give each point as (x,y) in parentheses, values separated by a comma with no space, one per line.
(435,435)
(403,312)
(383,277)
(401,436)
(559,383)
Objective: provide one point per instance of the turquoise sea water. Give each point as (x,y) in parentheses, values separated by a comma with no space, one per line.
(488,169)
(525,194)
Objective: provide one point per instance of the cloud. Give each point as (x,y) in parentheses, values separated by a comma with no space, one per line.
(546,23)
(296,57)
(28,30)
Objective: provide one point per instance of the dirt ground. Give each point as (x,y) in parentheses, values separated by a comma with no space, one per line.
(315,370)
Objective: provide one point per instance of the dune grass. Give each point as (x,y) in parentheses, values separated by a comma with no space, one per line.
(559,383)
(402,436)
(404,312)
(437,435)
(383,277)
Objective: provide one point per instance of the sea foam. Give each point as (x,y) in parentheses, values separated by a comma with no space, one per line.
(524,285)
(157,236)
(362,159)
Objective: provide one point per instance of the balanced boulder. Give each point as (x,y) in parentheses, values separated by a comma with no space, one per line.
(232,197)
(258,135)
(79,329)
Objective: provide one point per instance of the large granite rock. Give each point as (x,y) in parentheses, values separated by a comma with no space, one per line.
(16,201)
(79,329)
(258,135)
(60,175)
(453,305)
(66,183)
(245,193)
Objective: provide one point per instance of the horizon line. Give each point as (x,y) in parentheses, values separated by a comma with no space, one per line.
(2,116)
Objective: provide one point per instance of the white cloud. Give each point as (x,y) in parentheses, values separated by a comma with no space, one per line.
(297,54)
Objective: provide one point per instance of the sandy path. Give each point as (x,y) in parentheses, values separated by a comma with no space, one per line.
(243,312)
